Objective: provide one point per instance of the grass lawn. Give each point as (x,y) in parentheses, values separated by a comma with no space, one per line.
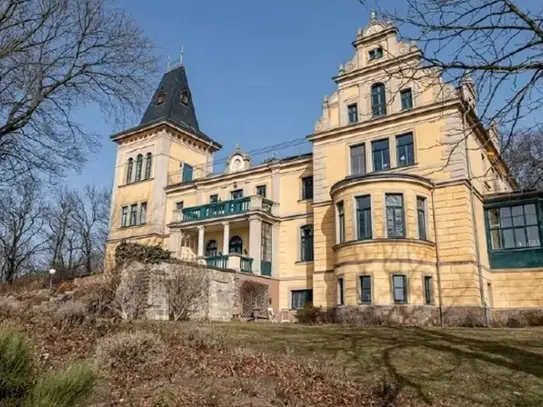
(469,367)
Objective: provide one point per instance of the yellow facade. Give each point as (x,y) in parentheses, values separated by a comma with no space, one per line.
(422,142)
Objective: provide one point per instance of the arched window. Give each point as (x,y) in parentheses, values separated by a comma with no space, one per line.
(129,167)
(148,165)
(378,100)
(139,165)
(236,245)
(211,248)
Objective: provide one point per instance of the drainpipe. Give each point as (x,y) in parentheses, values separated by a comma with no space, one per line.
(474,222)
(438,266)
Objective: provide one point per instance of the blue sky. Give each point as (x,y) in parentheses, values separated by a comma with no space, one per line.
(258,70)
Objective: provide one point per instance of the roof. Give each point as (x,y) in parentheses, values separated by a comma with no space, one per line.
(172,103)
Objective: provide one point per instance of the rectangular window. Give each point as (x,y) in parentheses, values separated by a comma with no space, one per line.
(352,111)
(306,243)
(237,194)
(187,173)
(143,213)
(266,242)
(179,206)
(365,289)
(395,216)
(213,198)
(307,188)
(358,159)
(428,290)
(399,288)
(421,217)
(405,150)
(341,221)
(340,292)
(124,216)
(381,155)
(133,214)
(376,53)
(301,297)
(514,227)
(261,190)
(407,99)
(363,217)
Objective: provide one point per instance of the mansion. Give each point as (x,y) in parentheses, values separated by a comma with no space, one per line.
(403,202)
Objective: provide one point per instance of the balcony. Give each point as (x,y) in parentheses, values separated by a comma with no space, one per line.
(232,262)
(223,208)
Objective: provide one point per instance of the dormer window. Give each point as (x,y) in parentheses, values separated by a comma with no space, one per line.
(376,53)
(161,97)
(184,97)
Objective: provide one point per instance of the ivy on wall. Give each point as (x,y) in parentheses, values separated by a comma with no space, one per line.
(127,252)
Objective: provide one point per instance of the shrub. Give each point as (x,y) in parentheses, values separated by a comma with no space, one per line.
(130,350)
(203,338)
(15,364)
(534,317)
(70,314)
(127,252)
(308,314)
(65,389)
(99,297)
(10,307)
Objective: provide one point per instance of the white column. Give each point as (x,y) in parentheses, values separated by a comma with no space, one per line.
(275,250)
(200,241)
(255,242)
(226,238)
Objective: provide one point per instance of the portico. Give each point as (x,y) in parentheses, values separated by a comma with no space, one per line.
(240,235)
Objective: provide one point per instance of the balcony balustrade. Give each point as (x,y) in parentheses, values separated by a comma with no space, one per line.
(232,262)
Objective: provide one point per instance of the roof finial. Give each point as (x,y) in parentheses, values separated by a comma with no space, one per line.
(373,16)
(238,147)
(182,54)
(169,62)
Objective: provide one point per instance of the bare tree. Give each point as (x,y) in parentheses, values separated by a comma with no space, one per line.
(57,56)
(525,159)
(186,288)
(496,43)
(21,223)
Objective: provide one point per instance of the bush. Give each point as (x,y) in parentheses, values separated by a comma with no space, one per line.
(16,365)
(203,338)
(308,314)
(70,314)
(534,317)
(64,389)
(10,307)
(128,252)
(130,350)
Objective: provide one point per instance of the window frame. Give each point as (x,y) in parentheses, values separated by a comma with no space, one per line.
(378,107)
(428,289)
(490,228)
(125,216)
(362,156)
(187,173)
(340,221)
(408,147)
(308,291)
(340,283)
(234,242)
(133,213)
(361,279)
(213,198)
(422,215)
(405,288)
(214,250)
(381,154)
(403,235)
(405,92)
(179,205)
(139,168)
(358,209)
(148,166)
(352,113)
(373,54)
(234,193)
(306,250)
(260,188)
(305,195)
(142,216)
(129,170)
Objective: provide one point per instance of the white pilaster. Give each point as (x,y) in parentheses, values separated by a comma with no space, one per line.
(226,238)
(174,244)
(201,237)
(255,242)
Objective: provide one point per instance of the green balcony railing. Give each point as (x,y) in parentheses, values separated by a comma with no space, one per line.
(266,268)
(216,209)
(220,262)
(246,265)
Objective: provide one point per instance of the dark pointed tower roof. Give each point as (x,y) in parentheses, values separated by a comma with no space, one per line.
(172,101)
(172,104)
